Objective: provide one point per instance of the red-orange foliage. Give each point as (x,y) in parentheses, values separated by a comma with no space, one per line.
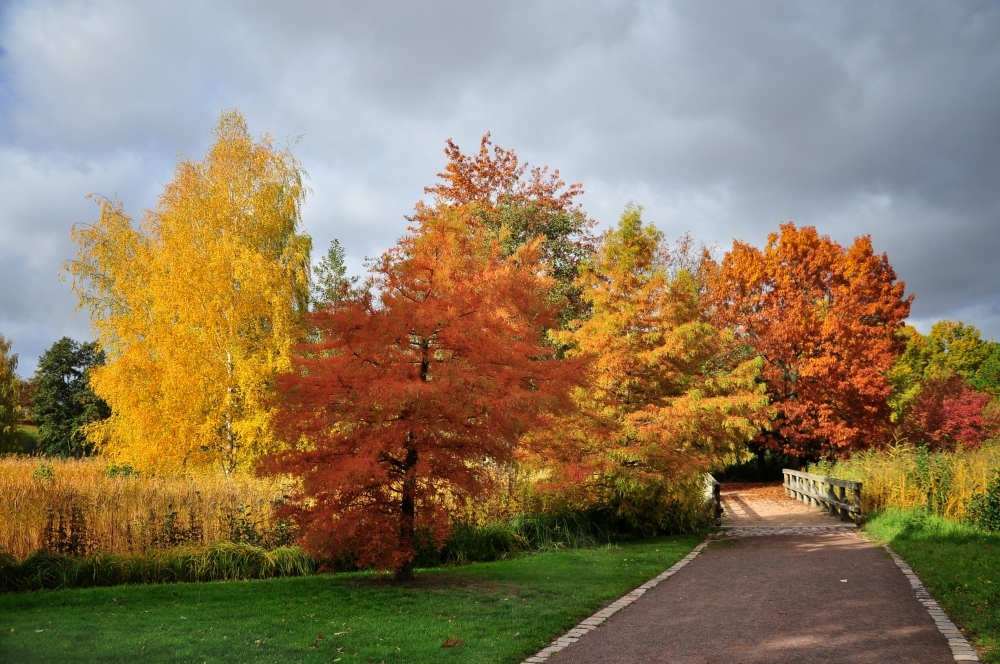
(399,403)
(824,319)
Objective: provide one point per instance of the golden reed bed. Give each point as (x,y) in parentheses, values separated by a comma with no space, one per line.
(903,476)
(78,506)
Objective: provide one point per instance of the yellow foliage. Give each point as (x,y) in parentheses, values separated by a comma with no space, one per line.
(198,307)
(124,513)
(666,400)
(904,476)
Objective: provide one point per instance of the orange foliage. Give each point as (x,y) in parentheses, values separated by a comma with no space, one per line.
(398,405)
(517,205)
(824,318)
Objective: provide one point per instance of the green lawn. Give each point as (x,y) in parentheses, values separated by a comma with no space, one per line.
(958,564)
(25,441)
(500,612)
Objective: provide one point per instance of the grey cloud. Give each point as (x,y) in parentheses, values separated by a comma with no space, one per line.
(722,118)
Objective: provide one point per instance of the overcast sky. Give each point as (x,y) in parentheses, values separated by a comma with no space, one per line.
(721,118)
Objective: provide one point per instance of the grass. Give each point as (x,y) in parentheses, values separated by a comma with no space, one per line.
(960,565)
(500,611)
(25,441)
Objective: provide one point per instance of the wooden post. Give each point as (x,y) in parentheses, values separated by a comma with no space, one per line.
(831,494)
(858,517)
(844,513)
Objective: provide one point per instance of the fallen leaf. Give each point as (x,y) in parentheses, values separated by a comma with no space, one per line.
(451,642)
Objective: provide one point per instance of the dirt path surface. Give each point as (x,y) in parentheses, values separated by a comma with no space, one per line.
(831,596)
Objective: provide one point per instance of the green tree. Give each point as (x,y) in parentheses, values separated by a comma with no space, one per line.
(955,348)
(987,378)
(63,403)
(10,393)
(330,284)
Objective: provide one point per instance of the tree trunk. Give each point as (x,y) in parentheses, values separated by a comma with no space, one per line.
(406,530)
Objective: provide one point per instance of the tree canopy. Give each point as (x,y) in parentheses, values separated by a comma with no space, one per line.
(63,402)
(517,205)
(406,397)
(10,392)
(825,319)
(198,307)
(662,401)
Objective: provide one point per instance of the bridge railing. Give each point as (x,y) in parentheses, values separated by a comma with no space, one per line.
(713,497)
(839,497)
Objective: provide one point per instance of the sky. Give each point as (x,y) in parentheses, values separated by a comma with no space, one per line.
(723,119)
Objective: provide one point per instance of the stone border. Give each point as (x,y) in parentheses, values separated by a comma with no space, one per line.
(960,648)
(594,621)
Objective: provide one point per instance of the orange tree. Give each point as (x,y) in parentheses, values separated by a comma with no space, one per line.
(397,401)
(663,400)
(824,318)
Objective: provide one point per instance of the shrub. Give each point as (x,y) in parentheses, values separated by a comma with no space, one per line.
(221,561)
(984,508)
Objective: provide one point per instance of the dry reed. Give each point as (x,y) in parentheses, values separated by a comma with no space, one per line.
(904,476)
(84,506)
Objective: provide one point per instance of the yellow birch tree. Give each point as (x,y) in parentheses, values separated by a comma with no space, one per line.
(197,308)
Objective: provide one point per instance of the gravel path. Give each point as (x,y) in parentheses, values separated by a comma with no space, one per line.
(817,593)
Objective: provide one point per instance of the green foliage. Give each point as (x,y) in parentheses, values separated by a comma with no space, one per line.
(958,564)
(984,508)
(10,394)
(950,349)
(987,379)
(330,283)
(43,471)
(222,561)
(63,403)
(123,470)
(565,529)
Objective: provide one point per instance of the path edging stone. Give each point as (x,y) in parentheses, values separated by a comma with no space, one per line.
(960,648)
(594,621)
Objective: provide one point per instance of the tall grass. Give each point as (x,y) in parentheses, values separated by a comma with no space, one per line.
(903,477)
(83,506)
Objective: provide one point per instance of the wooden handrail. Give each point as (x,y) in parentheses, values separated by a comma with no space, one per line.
(828,493)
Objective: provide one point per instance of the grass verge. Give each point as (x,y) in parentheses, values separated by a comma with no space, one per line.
(960,565)
(499,611)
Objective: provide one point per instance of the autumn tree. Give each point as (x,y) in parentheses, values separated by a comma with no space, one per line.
(947,413)
(197,308)
(950,349)
(664,400)
(10,388)
(63,402)
(518,205)
(824,318)
(403,399)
